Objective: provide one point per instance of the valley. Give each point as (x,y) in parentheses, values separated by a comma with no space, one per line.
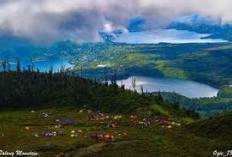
(190,62)
(111,78)
(205,63)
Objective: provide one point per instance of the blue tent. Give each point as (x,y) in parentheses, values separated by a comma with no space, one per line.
(68,121)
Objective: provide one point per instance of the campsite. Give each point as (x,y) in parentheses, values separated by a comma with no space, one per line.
(65,133)
(113,78)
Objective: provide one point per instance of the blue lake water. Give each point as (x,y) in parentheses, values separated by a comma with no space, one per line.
(43,65)
(187,88)
(166,36)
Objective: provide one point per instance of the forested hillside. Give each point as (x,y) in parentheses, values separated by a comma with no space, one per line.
(33,90)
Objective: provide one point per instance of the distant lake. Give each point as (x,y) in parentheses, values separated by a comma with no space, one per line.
(166,36)
(187,88)
(43,65)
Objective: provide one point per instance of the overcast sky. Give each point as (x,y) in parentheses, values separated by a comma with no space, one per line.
(45,21)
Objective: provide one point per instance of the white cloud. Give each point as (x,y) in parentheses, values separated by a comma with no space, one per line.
(108,27)
(49,20)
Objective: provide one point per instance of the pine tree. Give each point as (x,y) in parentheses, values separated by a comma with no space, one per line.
(18,68)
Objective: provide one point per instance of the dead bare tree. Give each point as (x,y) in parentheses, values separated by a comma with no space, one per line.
(133,81)
(4,65)
(141,88)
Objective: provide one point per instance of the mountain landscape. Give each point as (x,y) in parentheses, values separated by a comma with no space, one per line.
(109,78)
(199,24)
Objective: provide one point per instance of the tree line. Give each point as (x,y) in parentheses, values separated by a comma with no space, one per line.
(32,89)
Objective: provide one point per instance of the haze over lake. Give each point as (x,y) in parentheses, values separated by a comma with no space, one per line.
(166,36)
(187,88)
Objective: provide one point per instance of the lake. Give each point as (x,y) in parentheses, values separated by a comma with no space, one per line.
(187,88)
(43,65)
(166,36)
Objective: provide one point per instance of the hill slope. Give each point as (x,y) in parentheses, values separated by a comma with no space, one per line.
(57,102)
(33,90)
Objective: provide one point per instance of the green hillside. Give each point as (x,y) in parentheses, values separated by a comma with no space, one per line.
(206,63)
(214,127)
(198,62)
(49,110)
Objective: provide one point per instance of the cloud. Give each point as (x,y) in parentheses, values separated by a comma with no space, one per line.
(45,21)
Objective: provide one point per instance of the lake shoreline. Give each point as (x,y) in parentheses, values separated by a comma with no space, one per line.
(99,74)
(188,88)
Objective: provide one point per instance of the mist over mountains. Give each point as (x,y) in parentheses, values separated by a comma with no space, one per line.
(204,25)
(46,21)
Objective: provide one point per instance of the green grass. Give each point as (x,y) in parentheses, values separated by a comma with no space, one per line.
(152,141)
(140,56)
(159,109)
(225,92)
